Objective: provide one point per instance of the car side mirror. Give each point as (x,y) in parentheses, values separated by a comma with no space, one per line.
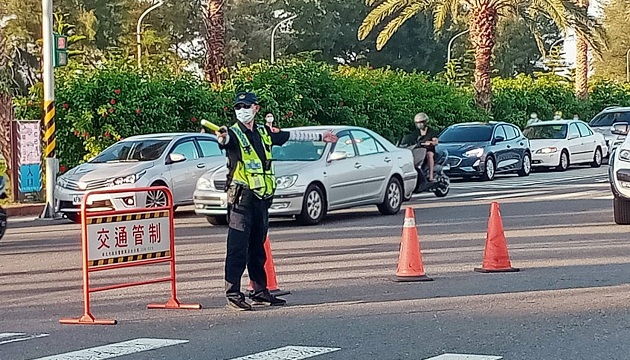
(338,155)
(498,139)
(620,128)
(174,158)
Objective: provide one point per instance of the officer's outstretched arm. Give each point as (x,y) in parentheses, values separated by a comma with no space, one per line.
(300,135)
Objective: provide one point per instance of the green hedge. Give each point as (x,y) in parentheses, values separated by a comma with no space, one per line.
(96,107)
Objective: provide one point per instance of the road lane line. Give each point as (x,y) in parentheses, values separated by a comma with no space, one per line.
(8,335)
(115,350)
(505,196)
(289,353)
(465,357)
(23,339)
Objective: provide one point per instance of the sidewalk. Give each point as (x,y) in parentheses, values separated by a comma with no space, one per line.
(24,210)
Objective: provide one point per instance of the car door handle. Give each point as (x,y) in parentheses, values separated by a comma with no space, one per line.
(201,166)
(522,144)
(509,147)
(387,159)
(357,165)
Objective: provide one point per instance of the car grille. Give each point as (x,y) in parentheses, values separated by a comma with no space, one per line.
(220,184)
(92,185)
(454,161)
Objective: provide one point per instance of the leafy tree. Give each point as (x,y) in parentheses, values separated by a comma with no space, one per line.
(482,18)
(612,64)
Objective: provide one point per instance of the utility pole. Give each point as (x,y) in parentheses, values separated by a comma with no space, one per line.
(139,30)
(50,142)
(450,43)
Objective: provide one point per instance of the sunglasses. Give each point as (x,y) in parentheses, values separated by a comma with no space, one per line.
(242,106)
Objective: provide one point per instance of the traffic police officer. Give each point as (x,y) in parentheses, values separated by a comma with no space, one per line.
(250,188)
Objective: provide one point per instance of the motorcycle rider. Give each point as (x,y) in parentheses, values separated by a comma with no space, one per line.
(425,142)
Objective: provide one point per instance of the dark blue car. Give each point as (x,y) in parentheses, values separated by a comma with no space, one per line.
(485,149)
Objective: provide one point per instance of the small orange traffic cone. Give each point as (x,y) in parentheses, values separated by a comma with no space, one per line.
(410,267)
(496,257)
(270,270)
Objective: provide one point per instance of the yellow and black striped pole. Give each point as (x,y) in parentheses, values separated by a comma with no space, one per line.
(49,109)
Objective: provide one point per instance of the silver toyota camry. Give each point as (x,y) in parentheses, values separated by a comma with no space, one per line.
(361,168)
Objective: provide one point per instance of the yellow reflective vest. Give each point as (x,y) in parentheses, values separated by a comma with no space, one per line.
(250,171)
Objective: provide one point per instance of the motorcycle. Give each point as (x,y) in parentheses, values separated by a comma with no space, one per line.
(3,213)
(441,186)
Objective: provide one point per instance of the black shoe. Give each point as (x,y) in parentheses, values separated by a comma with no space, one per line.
(265,298)
(237,301)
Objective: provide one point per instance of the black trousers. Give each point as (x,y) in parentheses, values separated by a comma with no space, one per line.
(248,220)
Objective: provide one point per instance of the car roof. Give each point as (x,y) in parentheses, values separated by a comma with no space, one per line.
(167,136)
(480,123)
(557,122)
(616,109)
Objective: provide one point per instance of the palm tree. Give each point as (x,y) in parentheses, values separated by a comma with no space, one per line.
(482,17)
(215,41)
(581,60)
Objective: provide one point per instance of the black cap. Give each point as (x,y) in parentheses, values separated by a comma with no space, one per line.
(246,98)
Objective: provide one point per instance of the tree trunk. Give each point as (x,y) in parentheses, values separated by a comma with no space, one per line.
(581,61)
(215,41)
(483,25)
(6,108)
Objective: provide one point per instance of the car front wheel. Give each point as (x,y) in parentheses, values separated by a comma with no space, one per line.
(597,158)
(313,206)
(490,169)
(527,165)
(75,217)
(621,210)
(156,198)
(218,220)
(563,165)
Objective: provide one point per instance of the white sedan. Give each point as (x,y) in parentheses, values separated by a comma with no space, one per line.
(361,168)
(561,143)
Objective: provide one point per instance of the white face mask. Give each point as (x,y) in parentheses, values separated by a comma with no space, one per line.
(245,115)
(269,119)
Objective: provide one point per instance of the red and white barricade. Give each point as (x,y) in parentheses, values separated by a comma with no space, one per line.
(116,239)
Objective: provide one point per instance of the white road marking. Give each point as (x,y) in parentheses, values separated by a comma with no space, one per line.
(505,196)
(115,350)
(8,335)
(30,337)
(465,357)
(289,353)
(576,195)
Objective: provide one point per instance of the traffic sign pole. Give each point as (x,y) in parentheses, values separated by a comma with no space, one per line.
(49,109)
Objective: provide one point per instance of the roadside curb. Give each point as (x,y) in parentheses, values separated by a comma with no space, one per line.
(22,210)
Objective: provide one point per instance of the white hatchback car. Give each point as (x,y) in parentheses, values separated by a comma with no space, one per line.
(560,143)
(361,168)
(174,160)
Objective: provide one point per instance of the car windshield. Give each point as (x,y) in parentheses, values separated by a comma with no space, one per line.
(608,119)
(140,150)
(546,132)
(299,151)
(465,134)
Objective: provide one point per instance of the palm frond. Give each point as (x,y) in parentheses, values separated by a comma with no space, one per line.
(406,14)
(556,10)
(386,9)
(441,10)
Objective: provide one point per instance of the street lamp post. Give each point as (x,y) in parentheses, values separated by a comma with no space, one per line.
(273,34)
(138,29)
(450,43)
(628,65)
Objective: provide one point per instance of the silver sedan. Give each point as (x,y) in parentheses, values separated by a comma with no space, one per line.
(361,168)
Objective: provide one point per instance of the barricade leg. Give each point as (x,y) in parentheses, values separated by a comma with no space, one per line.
(173,303)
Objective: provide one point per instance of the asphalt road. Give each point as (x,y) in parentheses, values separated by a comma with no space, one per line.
(569,301)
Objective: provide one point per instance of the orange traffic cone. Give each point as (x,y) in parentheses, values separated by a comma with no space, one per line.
(270,269)
(410,267)
(495,257)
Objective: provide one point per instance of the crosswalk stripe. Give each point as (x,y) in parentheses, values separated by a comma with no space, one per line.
(18,339)
(289,353)
(8,335)
(465,357)
(513,195)
(116,350)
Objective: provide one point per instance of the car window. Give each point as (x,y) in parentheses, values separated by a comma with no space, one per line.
(573,131)
(136,150)
(298,151)
(187,149)
(536,132)
(499,132)
(210,148)
(466,134)
(344,143)
(609,118)
(366,144)
(584,130)
(510,132)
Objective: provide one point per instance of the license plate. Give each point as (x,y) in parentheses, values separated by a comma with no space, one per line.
(77,199)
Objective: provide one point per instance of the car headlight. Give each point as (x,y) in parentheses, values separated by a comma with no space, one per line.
(204,184)
(474,153)
(130,179)
(547,150)
(285,182)
(624,155)
(61,181)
